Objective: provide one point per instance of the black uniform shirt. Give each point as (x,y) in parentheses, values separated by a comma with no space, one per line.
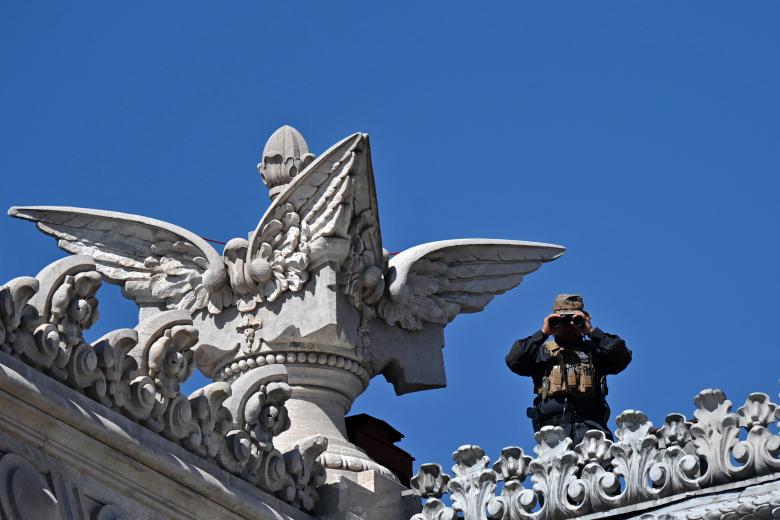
(528,357)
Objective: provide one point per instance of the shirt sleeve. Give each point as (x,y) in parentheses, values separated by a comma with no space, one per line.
(526,354)
(611,354)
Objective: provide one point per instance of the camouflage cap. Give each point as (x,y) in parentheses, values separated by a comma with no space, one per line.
(568,304)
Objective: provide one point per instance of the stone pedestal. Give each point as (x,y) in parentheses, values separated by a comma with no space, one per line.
(331,350)
(367,495)
(321,397)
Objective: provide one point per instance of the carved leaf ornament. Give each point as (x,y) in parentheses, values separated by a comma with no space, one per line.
(138,372)
(598,475)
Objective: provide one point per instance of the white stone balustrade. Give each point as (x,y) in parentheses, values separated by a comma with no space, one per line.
(716,450)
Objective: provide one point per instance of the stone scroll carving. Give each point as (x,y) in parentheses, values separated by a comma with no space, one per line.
(644,464)
(138,372)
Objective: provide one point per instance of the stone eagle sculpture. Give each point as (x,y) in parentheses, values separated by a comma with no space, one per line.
(326,206)
(311,287)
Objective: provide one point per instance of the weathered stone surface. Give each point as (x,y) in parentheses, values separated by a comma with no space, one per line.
(138,372)
(369,495)
(94,461)
(756,501)
(311,288)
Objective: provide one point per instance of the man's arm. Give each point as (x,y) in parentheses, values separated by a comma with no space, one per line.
(610,351)
(525,354)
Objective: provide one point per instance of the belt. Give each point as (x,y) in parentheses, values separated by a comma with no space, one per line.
(569,416)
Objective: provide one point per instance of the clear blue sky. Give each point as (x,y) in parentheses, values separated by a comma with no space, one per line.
(644,136)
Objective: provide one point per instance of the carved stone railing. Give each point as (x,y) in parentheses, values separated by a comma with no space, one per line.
(645,464)
(138,372)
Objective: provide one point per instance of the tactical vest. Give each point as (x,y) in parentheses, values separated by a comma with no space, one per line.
(572,373)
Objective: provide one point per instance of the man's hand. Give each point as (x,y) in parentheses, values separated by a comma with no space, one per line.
(547,330)
(587,327)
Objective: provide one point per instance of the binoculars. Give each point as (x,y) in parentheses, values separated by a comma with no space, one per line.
(563,319)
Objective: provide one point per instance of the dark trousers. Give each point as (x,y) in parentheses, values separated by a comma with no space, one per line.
(574,426)
(576,430)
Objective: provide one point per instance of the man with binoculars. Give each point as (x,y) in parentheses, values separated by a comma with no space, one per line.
(569,371)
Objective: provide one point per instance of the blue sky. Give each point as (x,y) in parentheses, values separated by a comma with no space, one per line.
(643,136)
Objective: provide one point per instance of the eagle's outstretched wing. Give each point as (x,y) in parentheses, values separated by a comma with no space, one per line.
(323,214)
(434,282)
(155,262)
(328,212)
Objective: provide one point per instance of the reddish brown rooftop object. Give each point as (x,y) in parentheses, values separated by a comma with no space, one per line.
(377,439)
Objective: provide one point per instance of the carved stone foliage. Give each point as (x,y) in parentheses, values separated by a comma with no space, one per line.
(306,471)
(138,372)
(645,463)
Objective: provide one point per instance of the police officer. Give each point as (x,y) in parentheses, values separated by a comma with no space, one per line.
(569,371)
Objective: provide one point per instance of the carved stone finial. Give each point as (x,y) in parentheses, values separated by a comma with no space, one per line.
(285,155)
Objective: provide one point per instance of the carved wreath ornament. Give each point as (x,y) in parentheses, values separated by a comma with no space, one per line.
(599,475)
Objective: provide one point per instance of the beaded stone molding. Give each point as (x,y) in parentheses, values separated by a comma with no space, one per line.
(237,367)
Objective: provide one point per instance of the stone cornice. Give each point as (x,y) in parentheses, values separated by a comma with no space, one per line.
(138,372)
(85,435)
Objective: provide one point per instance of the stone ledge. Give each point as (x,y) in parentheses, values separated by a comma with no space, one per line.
(90,435)
(686,500)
